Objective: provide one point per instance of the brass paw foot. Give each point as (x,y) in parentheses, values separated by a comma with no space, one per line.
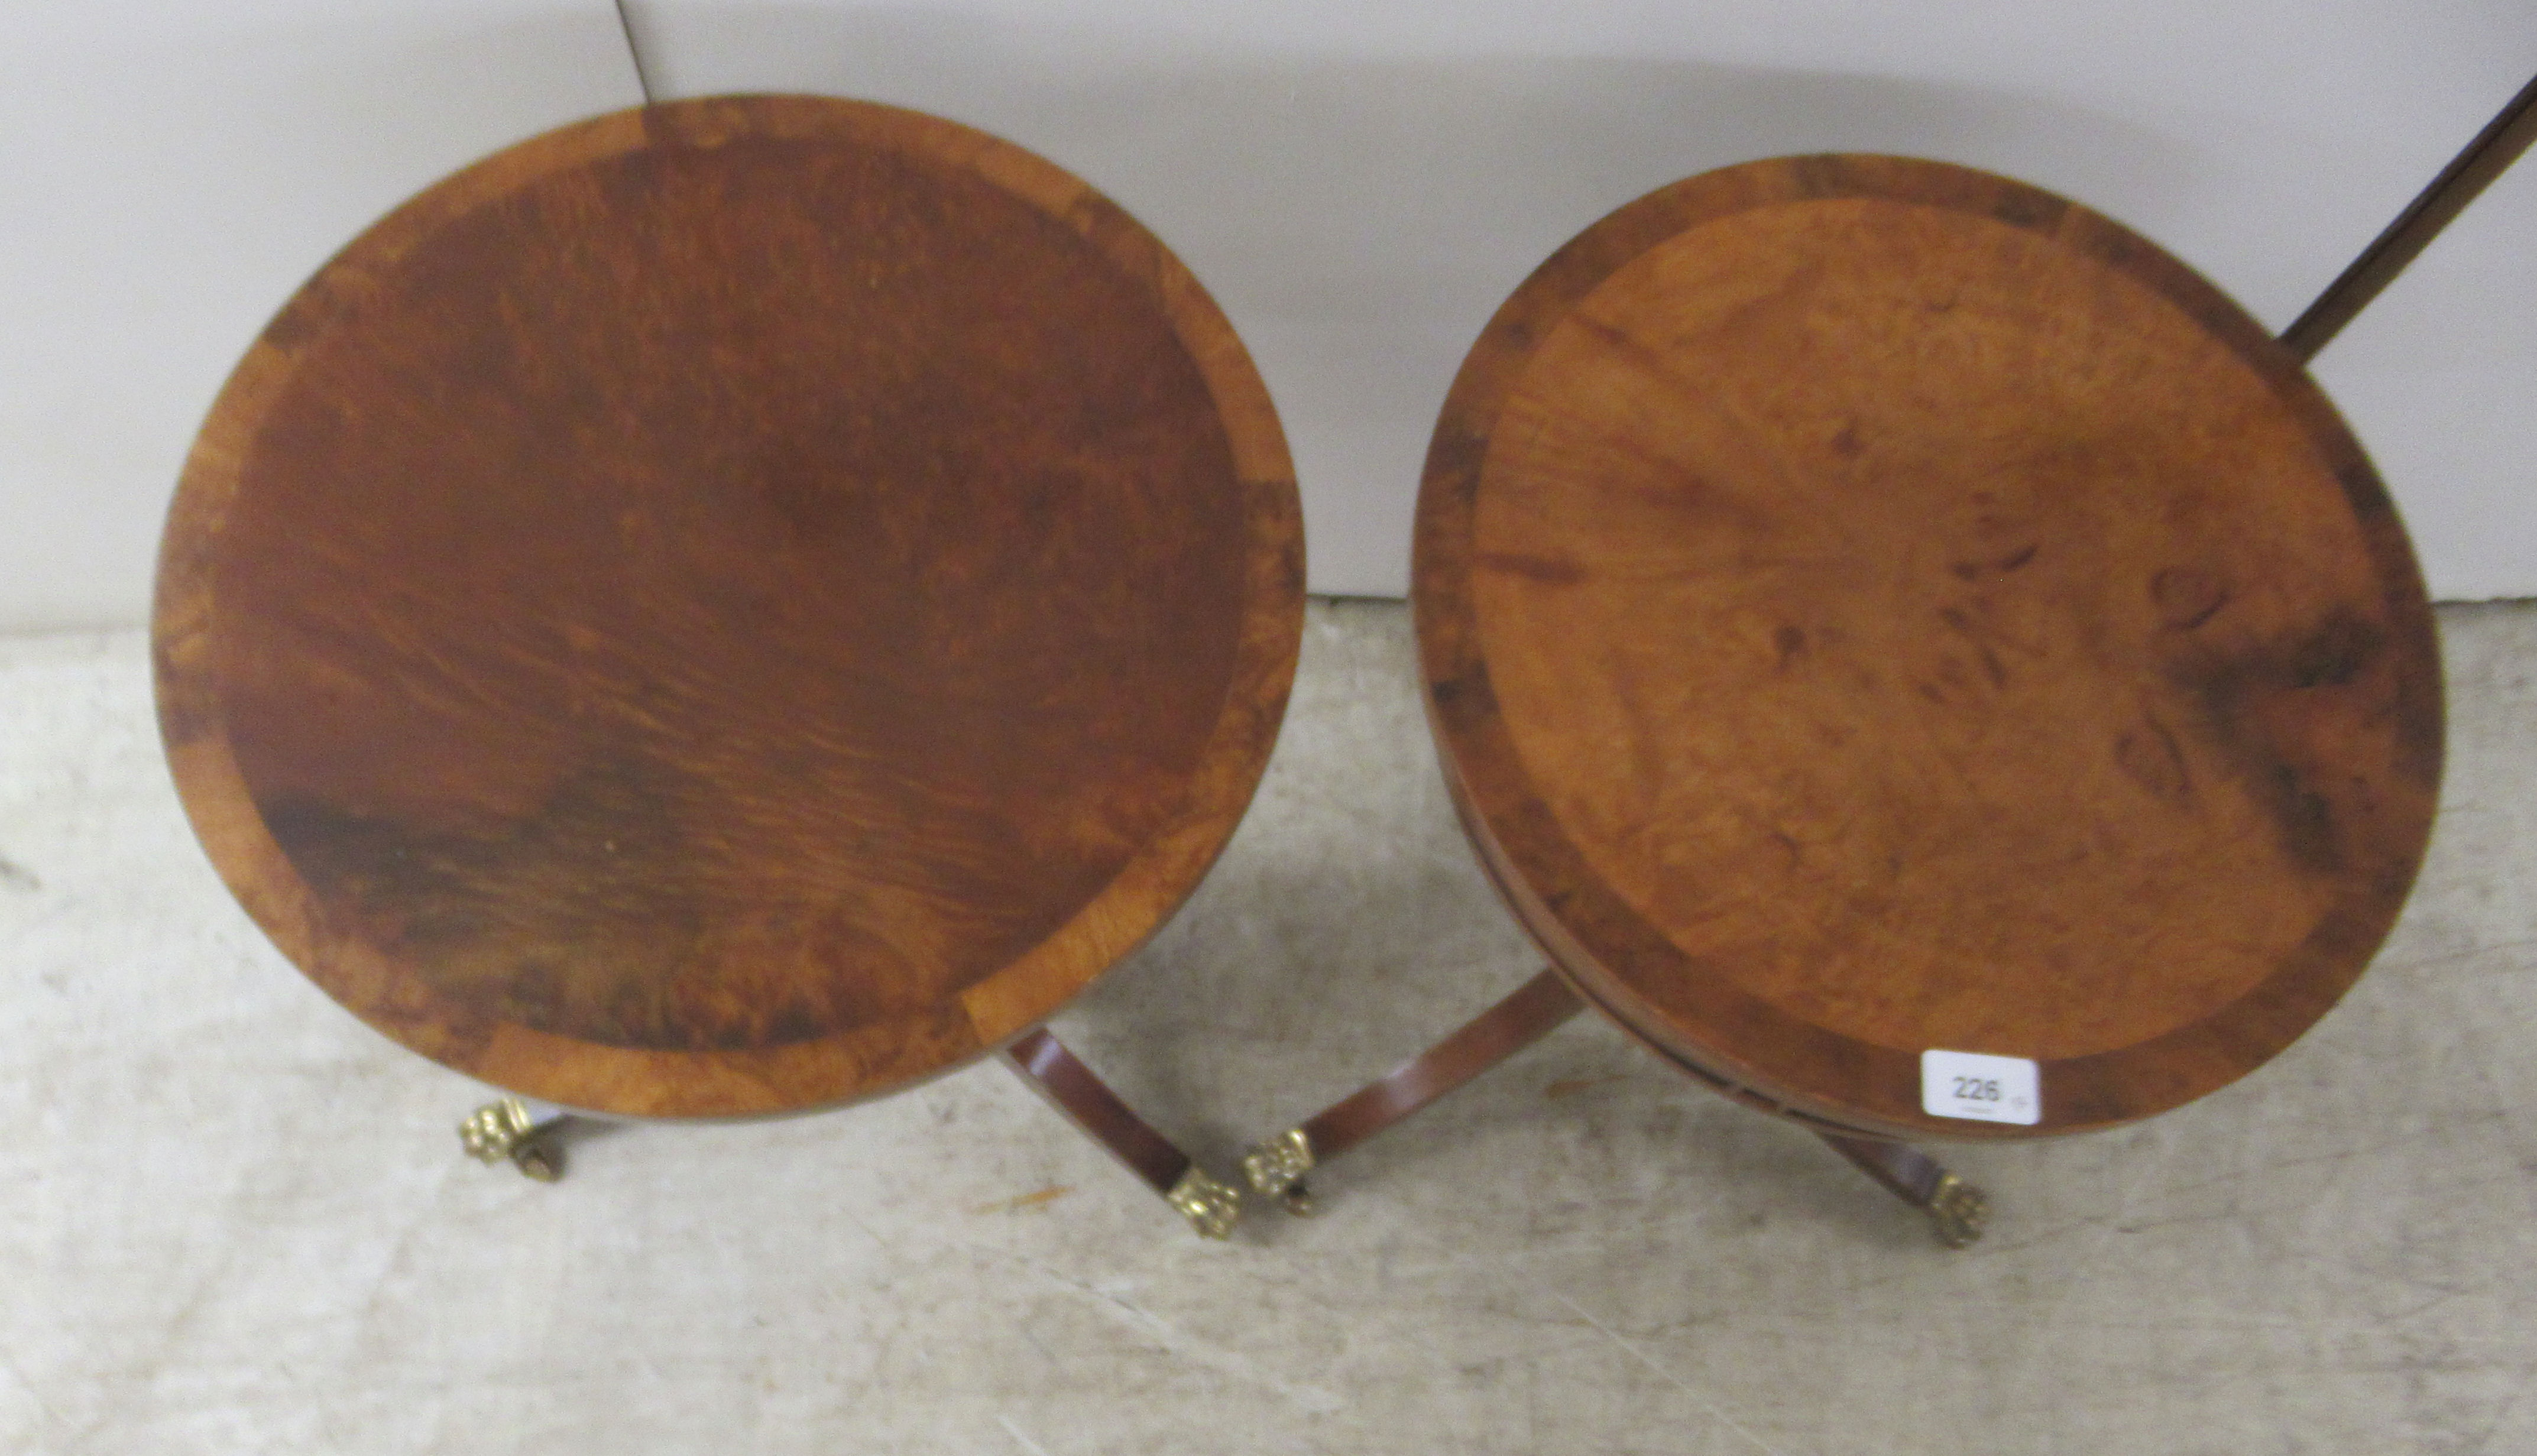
(1957,1211)
(1275,1169)
(1211,1206)
(504,1131)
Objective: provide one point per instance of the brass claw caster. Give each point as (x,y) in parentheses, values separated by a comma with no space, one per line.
(1211,1205)
(1275,1169)
(1957,1211)
(504,1131)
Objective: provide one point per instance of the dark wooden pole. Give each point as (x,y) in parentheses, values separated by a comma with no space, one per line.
(2486,158)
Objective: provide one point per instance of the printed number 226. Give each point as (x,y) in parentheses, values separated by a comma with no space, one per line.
(1977,1089)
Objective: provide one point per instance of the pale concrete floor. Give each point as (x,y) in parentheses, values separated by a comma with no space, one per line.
(232,1220)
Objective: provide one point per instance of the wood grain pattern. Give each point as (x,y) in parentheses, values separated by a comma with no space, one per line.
(730,606)
(1870,605)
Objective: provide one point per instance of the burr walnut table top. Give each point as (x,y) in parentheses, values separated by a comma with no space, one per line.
(730,607)
(1871,607)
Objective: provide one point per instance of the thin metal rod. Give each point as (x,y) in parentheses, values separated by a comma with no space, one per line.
(635,53)
(2486,158)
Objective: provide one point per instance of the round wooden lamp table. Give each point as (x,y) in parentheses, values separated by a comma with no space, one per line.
(1919,658)
(730,609)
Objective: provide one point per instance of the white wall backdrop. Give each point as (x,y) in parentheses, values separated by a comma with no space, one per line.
(168,172)
(1359,181)
(2438,378)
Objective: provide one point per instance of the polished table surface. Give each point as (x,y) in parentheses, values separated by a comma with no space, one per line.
(1871,607)
(730,607)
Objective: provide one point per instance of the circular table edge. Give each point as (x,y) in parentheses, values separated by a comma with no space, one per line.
(803,1077)
(1523,849)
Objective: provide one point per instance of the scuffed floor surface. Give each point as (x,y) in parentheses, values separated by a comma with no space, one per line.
(232,1220)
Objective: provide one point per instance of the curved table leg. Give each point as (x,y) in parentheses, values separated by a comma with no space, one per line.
(1957,1209)
(532,1138)
(1210,1205)
(1275,1168)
